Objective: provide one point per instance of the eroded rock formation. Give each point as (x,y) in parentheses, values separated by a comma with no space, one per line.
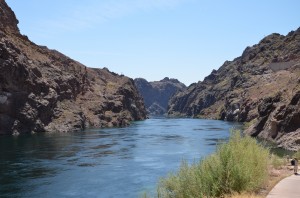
(260,87)
(43,90)
(157,94)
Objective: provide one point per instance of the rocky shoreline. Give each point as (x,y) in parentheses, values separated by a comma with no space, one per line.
(261,88)
(42,90)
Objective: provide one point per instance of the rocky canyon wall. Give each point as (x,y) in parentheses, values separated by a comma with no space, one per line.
(42,90)
(260,88)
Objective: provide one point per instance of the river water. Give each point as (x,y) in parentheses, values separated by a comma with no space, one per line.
(118,162)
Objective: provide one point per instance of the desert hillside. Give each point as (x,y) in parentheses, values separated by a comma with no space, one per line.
(43,90)
(261,88)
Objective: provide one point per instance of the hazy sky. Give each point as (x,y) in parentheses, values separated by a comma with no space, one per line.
(153,39)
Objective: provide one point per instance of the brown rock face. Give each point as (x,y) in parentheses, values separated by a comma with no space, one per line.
(43,90)
(8,18)
(157,94)
(260,87)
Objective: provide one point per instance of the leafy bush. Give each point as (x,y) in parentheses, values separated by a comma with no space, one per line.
(241,165)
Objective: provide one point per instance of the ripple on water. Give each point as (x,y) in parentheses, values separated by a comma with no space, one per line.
(118,162)
(103,154)
(73,160)
(103,146)
(209,127)
(199,129)
(214,141)
(215,129)
(172,138)
(87,165)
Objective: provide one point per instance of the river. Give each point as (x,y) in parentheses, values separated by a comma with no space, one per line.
(117,162)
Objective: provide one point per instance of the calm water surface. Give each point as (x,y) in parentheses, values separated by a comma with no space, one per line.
(119,162)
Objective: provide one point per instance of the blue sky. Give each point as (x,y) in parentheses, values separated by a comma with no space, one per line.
(153,39)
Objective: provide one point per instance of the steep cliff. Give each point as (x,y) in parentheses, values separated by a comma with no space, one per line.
(260,87)
(43,90)
(156,94)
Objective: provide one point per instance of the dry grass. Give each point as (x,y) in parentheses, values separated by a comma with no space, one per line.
(244,195)
(278,169)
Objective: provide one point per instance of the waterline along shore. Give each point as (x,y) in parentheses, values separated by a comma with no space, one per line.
(242,167)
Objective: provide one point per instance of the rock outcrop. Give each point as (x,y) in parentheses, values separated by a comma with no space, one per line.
(156,94)
(261,87)
(43,90)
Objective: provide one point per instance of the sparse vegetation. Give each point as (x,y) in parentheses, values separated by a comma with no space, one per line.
(248,124)
(277,162)
(243,195)
(239,166)
(111,86)
(297,155)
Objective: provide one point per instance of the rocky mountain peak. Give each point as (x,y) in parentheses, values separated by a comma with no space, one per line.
(156,94)
(171,80)
(296,32)
(8,19)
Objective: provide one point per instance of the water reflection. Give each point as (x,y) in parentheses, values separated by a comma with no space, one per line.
(119,162)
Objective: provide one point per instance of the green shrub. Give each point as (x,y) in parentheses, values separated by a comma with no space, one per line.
(277,162)
(297,155)
(241,165)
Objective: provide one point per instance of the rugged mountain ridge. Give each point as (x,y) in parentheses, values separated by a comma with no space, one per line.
(43,90)
(260,87)
(156,94)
